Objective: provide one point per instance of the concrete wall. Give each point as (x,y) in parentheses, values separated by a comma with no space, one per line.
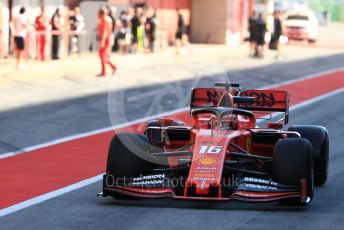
(237,21)
(209,21)
(220,21)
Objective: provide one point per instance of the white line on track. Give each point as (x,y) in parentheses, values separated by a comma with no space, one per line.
(50,195)
(47,196)
(91,133)
(106,129)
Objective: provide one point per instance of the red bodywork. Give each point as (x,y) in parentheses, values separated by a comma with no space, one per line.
(211,140)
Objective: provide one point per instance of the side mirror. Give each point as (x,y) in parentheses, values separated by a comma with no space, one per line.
(275,125)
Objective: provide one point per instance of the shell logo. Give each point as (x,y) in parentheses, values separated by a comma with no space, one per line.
(207,161)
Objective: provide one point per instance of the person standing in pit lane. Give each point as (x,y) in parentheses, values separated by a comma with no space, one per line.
(111,12)
(182,38)
(41,26)
(20,24)
(252,30)
(1,35)
(260,30)
(1,45)
(141,34)
(56,27)
(124,33)
(80,26)
(72,28)
(104,35)
(276,34)
(151,29)
(135,23)
(76,25)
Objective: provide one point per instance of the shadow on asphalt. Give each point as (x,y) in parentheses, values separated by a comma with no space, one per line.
(216,205)
(74,116)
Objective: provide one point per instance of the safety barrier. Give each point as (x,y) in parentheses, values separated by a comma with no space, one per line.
(71,42)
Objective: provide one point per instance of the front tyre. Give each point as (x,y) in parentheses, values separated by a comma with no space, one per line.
(318,137)
(127,156)
(292,162)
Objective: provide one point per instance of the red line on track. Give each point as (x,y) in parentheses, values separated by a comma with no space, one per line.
(301,91)
(35,173)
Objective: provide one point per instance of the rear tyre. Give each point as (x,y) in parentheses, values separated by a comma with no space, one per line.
(292,162)
(318,137)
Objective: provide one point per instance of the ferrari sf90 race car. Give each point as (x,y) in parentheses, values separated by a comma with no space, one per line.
(222,154)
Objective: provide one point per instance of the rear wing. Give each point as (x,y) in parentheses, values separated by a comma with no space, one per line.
(267,100)
(252,100)
(205,97)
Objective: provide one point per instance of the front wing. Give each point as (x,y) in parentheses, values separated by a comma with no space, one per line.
(248,189)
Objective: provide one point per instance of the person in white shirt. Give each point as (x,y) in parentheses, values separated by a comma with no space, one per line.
(20,30)
(80,20)
(77,25)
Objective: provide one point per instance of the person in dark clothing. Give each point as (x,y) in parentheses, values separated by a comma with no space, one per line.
(135,23)
(260,30)
(181,33)
(181,29)
(124,19)
(275,36)
(150,30)
(252,30)
(72,20)
(56,30)
(123,35)
(72,26)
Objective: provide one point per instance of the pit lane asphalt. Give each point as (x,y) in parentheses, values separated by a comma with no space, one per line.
(80,209)
(38,124)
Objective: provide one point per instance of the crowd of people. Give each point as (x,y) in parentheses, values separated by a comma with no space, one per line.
(131,31)
(42,24)
(257,38)
(135,30)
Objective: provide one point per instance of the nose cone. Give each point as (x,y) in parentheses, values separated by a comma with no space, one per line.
(207,165)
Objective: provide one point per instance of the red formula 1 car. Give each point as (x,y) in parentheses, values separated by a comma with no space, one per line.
(223,154)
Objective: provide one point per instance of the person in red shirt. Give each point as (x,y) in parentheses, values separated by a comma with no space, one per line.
(104,34)
(41,24)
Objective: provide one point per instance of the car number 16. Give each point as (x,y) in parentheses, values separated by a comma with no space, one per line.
(213,149)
